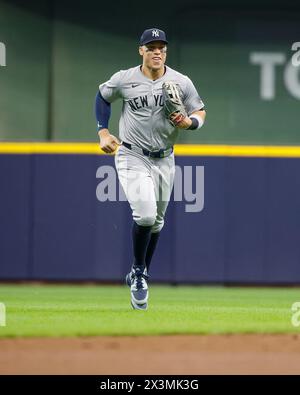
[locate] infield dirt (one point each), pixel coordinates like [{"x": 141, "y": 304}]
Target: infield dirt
[{"x": 214, "y": 354}]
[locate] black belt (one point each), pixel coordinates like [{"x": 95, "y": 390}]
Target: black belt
[{"x": 162, "y": 153}]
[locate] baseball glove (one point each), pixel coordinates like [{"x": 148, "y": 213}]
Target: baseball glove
[{"x": 173, "y": 106}]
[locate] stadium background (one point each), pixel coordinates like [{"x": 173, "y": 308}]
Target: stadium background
[{"x": 52, "y": 226}]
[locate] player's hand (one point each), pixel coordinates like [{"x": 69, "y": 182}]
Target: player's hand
[
  {"x": 184, "y": 124},
  {"x": 108, "y": 142}
]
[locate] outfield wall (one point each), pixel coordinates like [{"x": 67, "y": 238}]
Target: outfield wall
[
  {"x": 53, "y": 227},
  {"x": 239, "y": 56}
]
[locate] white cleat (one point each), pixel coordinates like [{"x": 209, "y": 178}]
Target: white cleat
[{"x": 137, "y": 280}]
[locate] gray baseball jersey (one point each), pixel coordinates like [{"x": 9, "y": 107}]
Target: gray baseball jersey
[{"x": 142, "y": 122}]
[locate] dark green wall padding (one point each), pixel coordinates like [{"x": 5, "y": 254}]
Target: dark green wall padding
[
  {"x": 55, "y": 64},
  {"x": 24, "y": 82}
]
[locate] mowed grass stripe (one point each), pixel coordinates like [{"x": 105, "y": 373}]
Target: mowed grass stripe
[{"x": 74, "y": 310}]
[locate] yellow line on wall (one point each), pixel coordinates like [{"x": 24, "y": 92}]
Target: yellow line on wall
[
  {"x": 49, "y": 148},
  {"x": 180, "y": 149},
  {"x": 238, "y": 150}
]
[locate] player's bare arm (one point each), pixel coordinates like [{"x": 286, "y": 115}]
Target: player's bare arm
[
  {"x": 187, "y": 121},
  {"x": 108, "y": 142},
  {"x": 200, "y": 113}
]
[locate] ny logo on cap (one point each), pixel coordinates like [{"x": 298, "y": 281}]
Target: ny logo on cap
[{"x": 155, "y": 33}]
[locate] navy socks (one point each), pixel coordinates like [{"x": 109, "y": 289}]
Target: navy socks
[
  {"x": 144, "y": 244},
  {"x": 140, "y": 236},
  {"x": 151, "y": 248}
]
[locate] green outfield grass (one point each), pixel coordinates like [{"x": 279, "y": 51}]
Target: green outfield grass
[{"x": 74, "y": 310}]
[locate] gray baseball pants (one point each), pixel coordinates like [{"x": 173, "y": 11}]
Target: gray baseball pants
[{"x": 147, "y": 184}]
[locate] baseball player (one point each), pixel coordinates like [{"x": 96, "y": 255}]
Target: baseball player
[{"x": 145, "y": 159}]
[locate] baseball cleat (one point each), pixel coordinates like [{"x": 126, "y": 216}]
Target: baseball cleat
[
  {"x": 137, "y": 280},
  {"x": 128, "y": 279},
  {"x": 135, "y": 306},
  {"x": 139, "y": 306}
]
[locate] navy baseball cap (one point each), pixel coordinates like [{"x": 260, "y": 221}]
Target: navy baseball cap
[{"x": 153, "y": 34}]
